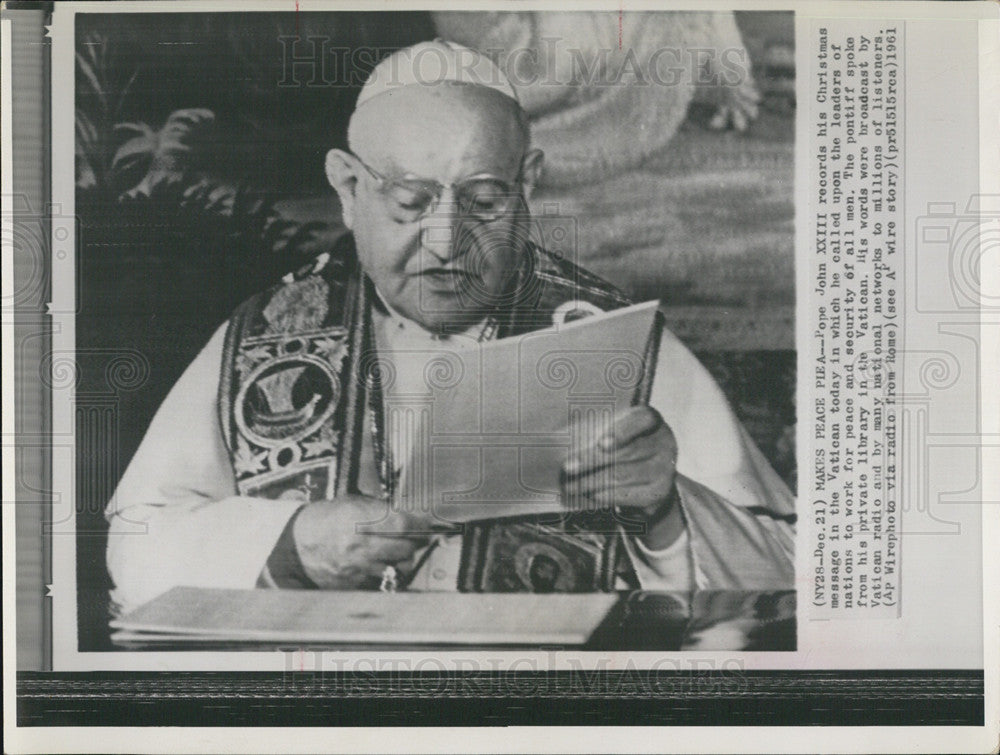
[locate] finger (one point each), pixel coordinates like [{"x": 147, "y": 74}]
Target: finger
[
  {"x": 649, "y": 464},
  {"x": 641, "y": 497},
  {"x": 618, "y": 464},
  {"x": 609, "y": 478},
  {"x": 398, "y": 527},
  {"x": 391, "y": 549},
  {"x": 630, "y": 425},
  {"x": 627, "y": 427},
  {"x": 624, "y": 489},
  {"x": 596, "y": 461},
  {"x": 394, "y": 520},
  {"x": 423, "y": 524},
  {"x": 418, "y": 513}
]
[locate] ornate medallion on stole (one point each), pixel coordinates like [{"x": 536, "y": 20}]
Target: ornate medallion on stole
[{"x": 286, "y": 357}]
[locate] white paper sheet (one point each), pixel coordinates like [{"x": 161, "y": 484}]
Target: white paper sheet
[{"x": 497, "y": 422}]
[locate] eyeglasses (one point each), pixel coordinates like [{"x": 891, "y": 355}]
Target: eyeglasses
[{"x": 484, "y": 197}]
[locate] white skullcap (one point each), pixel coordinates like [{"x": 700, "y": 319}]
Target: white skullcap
[{"x": 431, "y": 63}]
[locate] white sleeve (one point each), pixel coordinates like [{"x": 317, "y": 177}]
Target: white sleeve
[
  {"x": 713, "y": 447},
  {"x": 175, "y": 518},
  {"x": 720, "y": 475},
  {"x": 723, "y": 547},
  {"x": 667, "y": 569}
]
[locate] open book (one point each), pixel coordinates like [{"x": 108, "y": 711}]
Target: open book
[{"x": 489, "y": 433}]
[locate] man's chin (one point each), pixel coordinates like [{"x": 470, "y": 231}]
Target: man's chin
[
  {"x": 446, "y": 311},
  {"x": 450, "y": 323},
  {"x": 443, "y": 320}
]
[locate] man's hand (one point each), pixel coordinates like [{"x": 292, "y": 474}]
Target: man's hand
[
  {"x": 346, "y": 544},
  {"x": 633, "y": 467}
]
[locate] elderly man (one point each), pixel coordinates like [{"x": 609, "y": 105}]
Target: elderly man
[{"x": 272, "y": 448}]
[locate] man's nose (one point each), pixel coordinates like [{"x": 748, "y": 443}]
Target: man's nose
[{"x": 440, "y": 229}]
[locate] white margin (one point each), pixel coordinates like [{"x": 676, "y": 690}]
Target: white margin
[
  {"x": 519, "y": 739},
  {"x": 989, "y": 364},
  {"x": 7, "y": 414}
]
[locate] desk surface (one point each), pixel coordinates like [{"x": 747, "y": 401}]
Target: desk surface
[{"x": 639, "y": 620}]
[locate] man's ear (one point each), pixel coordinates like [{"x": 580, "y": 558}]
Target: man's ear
[
  {"x": 531, "y": 170},
  {"x": 342, "y": 173}
]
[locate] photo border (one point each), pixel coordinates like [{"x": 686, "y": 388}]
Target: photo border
[
  {"x": 777, "y": 698},
  {"x": 594, "y": 698}
]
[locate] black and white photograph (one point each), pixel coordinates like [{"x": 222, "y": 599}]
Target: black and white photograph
[
  {"x": 358, "y": 316},
  {"x": 500, "y": 377}
]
